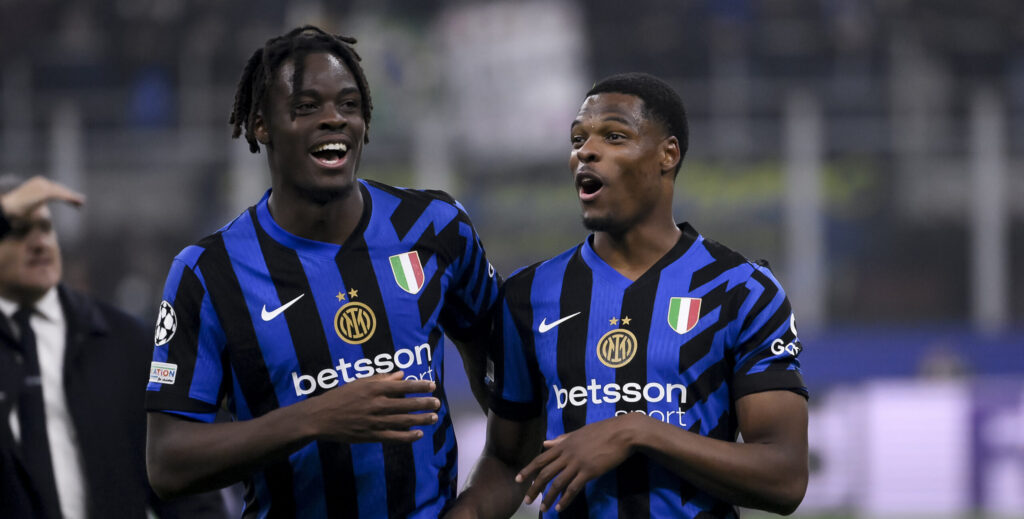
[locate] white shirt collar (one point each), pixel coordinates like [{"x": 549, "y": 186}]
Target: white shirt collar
[{"x": 47, "y": 306}]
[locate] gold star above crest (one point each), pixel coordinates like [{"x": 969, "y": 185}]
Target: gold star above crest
[
  {"x": 340, "y": 296},
  {"x": 353, "y": 293},
  {"x": 613, "y": 321},
  {"x": 625, "y": 321}
]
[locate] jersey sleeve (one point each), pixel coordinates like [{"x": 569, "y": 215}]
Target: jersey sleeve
[
  {"x": 187, "y": 372},
  {"x": 766, "y": 349},
  {"x": 473, "y": 292},
  {"x": 513, "y": 379}
]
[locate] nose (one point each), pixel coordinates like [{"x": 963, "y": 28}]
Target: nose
[
  {"x": 587, "y": 152},
  {"x": 333, "y": 118}
]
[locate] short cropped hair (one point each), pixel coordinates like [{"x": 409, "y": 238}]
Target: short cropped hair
[{"x": 661, "y": 103}]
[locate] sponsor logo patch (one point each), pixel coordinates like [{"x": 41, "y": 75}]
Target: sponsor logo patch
[
  {"x": 408, "y": 271},
  {"x": 683, "y": 313},
  {"x": 616, "y": 348},
  {"x": 355, "y": 323},
  {"x": 166, "y": 324},
  {"x": 162, "y": 372}
]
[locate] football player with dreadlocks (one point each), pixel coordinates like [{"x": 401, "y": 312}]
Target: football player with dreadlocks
[{"x": 317, "y": 316}]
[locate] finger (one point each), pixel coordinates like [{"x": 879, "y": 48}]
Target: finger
[
  {"x": 64, "y": 194},
  {"x": 547, "y": 444},
  {"x": 543, "y": 477},
  {"x": 557, "y": 486},
  {"x": 405, "y": 421},
  {"x": 574, "y": 488},
  {"x": 405, "y": 387},
  {"x": 538, "y": 462},
  {"x": 409, "y": 405},
  {"x": 394, "y": 375},
  {"x": 390, "y": 436}
]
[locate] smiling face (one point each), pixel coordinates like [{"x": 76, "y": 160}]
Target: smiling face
[
  {"x": 313, "y": 130},
  {"x": 621, "y": 163},
  {"x": 30, "y": 263}
]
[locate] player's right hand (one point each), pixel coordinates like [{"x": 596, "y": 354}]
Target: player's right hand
[{"x": 375, "y": 409}]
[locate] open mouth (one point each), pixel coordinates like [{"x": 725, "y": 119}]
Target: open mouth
[
  {"x": 329, "y": 154},
  {"x": 588, "y": 185}
]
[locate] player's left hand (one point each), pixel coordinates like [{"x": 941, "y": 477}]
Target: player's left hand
[{"x": 575, "y": 458}]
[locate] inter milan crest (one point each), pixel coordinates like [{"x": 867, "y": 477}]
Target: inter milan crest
[
  {"x": 166, "y": 324},
  {"x": 408, "y": 271},
  {"x": 616, "y": 348},
  {"x": 355, "y": 323},
  {"x": 683, "y": 313}
]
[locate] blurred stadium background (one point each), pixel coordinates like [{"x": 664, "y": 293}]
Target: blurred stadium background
[{"x": 871, "y": 150}]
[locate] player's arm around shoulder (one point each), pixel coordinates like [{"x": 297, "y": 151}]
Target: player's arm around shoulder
[
  {"x": 185, "y": 456},
  {"x": 492, "y": 490}
]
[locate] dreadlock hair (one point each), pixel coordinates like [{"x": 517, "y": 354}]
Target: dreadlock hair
[
  {"x": 296, "y": 45},
  {"x": 661, "y": 103}
]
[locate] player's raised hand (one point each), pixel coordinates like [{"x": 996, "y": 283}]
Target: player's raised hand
[
  {"x": 34, "y": 192},
  {"x": 572, "y": 459},
  {"x": 375, "y": 409}
]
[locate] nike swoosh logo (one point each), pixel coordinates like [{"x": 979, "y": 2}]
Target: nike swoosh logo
[
  {"x": 270, "y": 315},
  {"x": 545, "y": 327}
]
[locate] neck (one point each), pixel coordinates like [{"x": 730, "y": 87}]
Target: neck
[
  {"x": 330, "y": 221},
  {"x": 637, "y": 249},
  {"x": 23, "y": 296}
]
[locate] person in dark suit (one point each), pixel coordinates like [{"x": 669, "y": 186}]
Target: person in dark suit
[{"x": 72, "y": 382}]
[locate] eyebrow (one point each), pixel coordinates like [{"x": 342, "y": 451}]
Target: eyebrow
[
  {"x": 607, "y": 118},
  {"x": 314, "y": 93}
]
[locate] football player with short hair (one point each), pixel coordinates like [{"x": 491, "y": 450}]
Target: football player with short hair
[{"x": 624, "y": 369}]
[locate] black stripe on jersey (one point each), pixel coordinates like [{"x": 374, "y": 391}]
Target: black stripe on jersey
[
  {"x": 409, "y": 210},
  {"x": 454, "y": 307},
  {"x": 769, "y": 292},
  {"x": 724, "y": 259},
  {"x": 411, "y": 206},
  {"x": 430, "y": 294},
  {"x": 517, "y": 296},
  {"x": 182, "y": 348},
  {"x": 776, "y": 321},
  {"x": 313, "y": 353},
  {"x": 357, "y": 273},
  {"x": 577, "y": 288},
  {"x": 247, "y": 359}
]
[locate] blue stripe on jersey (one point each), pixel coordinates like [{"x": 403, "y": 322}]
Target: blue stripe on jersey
[
  {"x": 308, "y": 479},
  {"x": 514, "y": 363}
]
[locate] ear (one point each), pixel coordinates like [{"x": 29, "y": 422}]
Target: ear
[
  {"x": 259, "y": 129},
  {"x": 670, "y": 154}
]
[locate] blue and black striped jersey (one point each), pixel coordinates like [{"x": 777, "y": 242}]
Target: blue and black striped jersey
[
  {"x": 580, "y": 343},
  {"x": 264, "y": 319}
]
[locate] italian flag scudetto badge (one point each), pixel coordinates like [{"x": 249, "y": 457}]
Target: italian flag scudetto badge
[
  {"x": 683, "y": 313},
  {"x": 408, "y": 271}
]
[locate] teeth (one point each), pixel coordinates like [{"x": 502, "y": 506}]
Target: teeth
[{"x": 331, "y": 146}]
